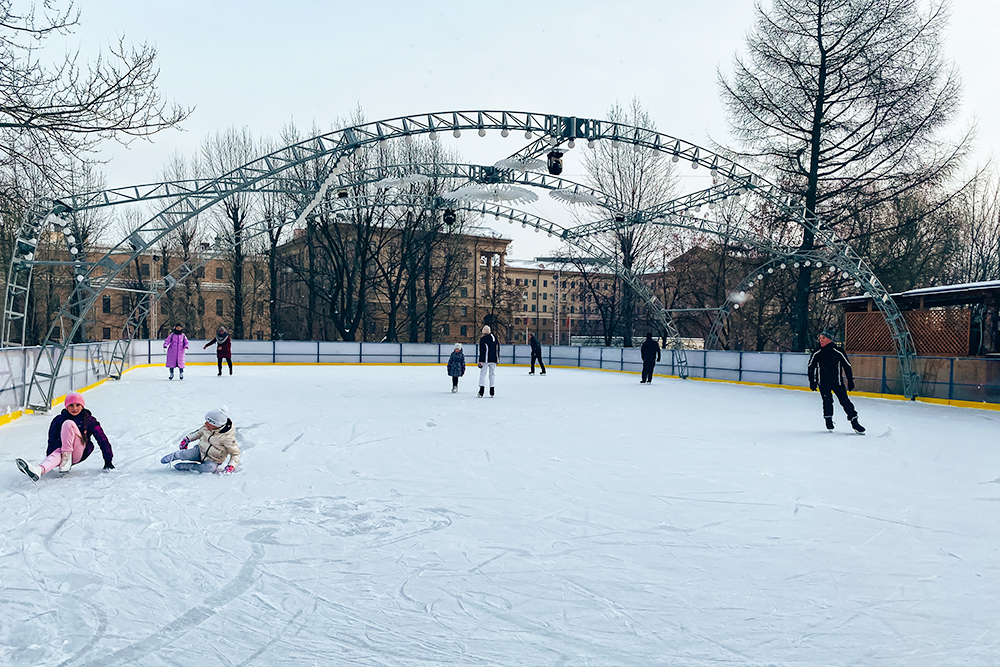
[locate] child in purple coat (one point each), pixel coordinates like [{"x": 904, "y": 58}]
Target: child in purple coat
[
  {"x": 175, "y": 344},
  {"x": 70, "y": 440}
]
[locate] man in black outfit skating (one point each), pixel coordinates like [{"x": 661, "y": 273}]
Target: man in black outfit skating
[
  {"x": 650, "y": 352},
  {"x": 828, "y": 366},
  {"x": 536, "y": 353}
]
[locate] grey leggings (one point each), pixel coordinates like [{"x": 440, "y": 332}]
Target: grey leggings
[{"x": 190, "y": 456}]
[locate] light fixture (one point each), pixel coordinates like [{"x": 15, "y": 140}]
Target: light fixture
[
  {"x": 796, "y": 265},
  {"x": 482, "y": 131},
  {"x": 590, "y": 143},
  {"x": 571, "y": 143},
  {"x": 675, "y": 158},
  {"x": 434, "y": 135},
  {"x": 505, "y": 133},
  {"x": 555, "y": 163},
  {"x": 527, "y": 133},
  {"x": 456, "y": 133}
]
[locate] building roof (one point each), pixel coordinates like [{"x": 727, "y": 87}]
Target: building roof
[{"x": 942, "y": 295}]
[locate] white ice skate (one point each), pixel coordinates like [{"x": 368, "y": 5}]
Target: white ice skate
[
  {"x": 30, "y": 469},
  {"x": 66, "y": 464}
]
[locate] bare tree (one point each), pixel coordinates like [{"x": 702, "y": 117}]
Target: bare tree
[
  {"x": 633, "y": 181},
  {"x": 844, "y": 101},
  {"x": 53, "y": 114},
  {"x": 221, "y": 154}
]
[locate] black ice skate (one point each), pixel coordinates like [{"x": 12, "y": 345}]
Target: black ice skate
[
  {"x": 829, "y": 423},
  {"x": 491, "y": 392},
  {"x": 481, "y": 390},
  {"x": 856, "y": 425}
]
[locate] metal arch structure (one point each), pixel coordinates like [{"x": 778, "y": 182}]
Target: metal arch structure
[{"x": 328, "y": 152}]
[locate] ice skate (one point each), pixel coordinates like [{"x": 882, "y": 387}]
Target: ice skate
[
  {"x": 66, "y": 464},
  {"x": 30, "y": 469},
  {"x": 829, "y": 423},
  {"x": 491, "y": 392},
  {"x": 182, "y": 373},
  {"x": 168, "y": 458},
  {"x": 856, "y": 425},
  {"x": 531, "y": 372},
  {"x": 543, "y": 372},
  {"x": 171, "y": 374},
  {"x": 454, "y": 390},
  {"x": 481, "y": 390}
]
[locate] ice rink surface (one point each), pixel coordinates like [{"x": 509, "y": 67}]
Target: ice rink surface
[{"x": 576, "y": 519}]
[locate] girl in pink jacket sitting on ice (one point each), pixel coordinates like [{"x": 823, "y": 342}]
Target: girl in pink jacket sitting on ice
[{"x": 70, "y": 440}]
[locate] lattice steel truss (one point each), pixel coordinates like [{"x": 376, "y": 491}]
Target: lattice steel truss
[{"x": 327, "y": 154}]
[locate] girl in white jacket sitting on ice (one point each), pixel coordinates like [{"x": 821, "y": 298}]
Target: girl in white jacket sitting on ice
[{"x": 216, "y": 440}]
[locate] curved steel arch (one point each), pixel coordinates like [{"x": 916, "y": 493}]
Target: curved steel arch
[{"x": 331, "y": 147}]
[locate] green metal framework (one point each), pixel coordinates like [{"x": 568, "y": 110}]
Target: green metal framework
[{"x": 327, "y": 152}]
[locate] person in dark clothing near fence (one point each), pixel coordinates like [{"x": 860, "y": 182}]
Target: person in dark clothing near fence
[
  {"x": 224, "y": 348},
  {"x": 489, "y": 355},
  {"x": 536, "y": 353},
  {"x": 650, "y": 352},
  {"x": 828, "y": 366}
]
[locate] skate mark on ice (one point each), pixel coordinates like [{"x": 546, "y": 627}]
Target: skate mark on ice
[
  {"x": 193, "y": 617},
  {"x": 488, "y": 460},
  {"x": 297, "y": 438},
  {"x": 47, "y": 541},
  {"x": 721, "y": 502},
  {"x": 878, "y": 518},
  {"x": 102, "y": 627}
]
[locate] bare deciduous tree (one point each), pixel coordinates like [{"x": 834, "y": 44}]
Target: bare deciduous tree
[{"x": 844, "y": 101}]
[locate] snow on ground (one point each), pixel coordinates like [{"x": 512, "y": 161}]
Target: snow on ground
[{"x": 577, "y": 519}]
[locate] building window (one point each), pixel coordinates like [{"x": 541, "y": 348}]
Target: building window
[
  {"x": 200, "y": 273},
  {"x": 508, "y": 281},
  {"x": 445, "y": 329},
  {"x": 564, "y": 284},
  {"x": 545, "y": 296},
  {"x": 572, "y": 309},
  {"x": 465, "y": 331},
  {"x": 125, "y": 307},
  {"x": 545, "y": 283},
  {"x": 218, "y": 273},
  {"x": 465, "y": 292},
  {"x": 107, "y": 333},
  {"x": 517, "y": 281},
  {"x": 163, "y": 309},
  {"x": 465, "y": 272},
  {"x": 533, "y": 295},
  {"x": 525, "y": 307},
  {"x": 482, "y": 279},
  {"x": 218, "y": 307},
  {"x": 144, "y": 269},
  {"x": 545, "y": 309},
  {"x": 465, "y": 311},
  {"x": 534, "y": 282},
  {"x": 106, "y": 303},
  {"x": 532, "y": 307}
]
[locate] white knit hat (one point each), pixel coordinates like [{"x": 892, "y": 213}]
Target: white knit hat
[
  {"x": 218, "y": 417},
  {"x": 458, "y": 346}
]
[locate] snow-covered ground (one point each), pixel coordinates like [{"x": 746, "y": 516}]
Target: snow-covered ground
[{"x": 577, "y": 519}]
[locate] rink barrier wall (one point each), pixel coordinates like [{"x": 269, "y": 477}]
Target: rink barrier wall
[
  {"x": 946, "y": 381},
  {"x": 83, "y": 368}
]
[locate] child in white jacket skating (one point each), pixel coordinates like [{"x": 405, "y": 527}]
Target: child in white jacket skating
[{"x": 216, "y": 441}]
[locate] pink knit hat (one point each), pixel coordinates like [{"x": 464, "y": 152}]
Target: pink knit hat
[{"x": 74, "y": 397}]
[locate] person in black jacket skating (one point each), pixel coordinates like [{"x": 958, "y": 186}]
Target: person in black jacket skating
[
  {"x": 536, "y": 353},
  {"x": 489, "y": 355},
  {"x": 650, "y": 352},
  {"x": 828, "y": 366}
]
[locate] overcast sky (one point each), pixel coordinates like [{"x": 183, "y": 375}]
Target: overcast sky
[{"x": 261, "y": 64}]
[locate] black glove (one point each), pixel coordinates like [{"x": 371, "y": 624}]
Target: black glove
[
  {"x": 850, "y": 385},
  {"x": 812, "y": 386},
  {"x": 108, "y": 465}
]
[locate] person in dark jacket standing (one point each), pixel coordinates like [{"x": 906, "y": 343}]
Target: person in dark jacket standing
[
  {"x": 650, "y": 352},
  {"x": 828, "y": 366},
  {"x": 224, "y": 349},
  {"x": 456, "y": 366},
  {"x": 489, "y": 355},
  {"x": 70, "y": 440},
  {"x": 536, "y": 353}
]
